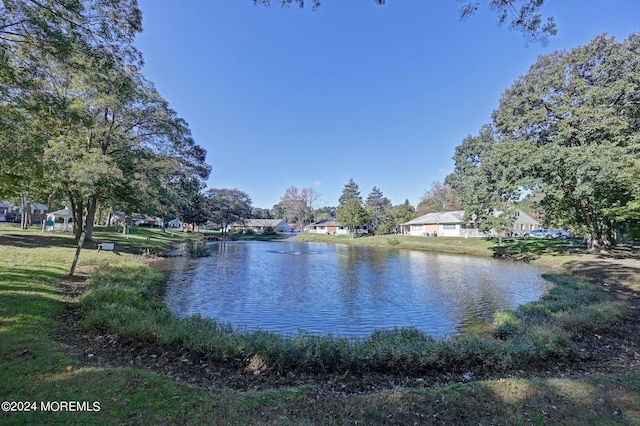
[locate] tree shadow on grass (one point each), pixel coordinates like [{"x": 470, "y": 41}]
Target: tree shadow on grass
[
  {"x": 34, "y": 241},
  {"x": 526, "y": 249}
]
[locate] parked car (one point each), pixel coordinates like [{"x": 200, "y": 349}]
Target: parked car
[
  {"x": 565, "y": 235},
  {"x": 3, "y": 218},
  {"x": 14, "y": 217},
  {"x": 543, "y": 233}
]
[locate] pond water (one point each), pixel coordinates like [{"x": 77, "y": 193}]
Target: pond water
[{"x": 289, "y": 287}]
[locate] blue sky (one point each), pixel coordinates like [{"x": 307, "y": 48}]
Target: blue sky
[{"x": 381, "y": 94}]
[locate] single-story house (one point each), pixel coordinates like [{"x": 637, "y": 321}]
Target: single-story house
[
  {"x": 144, "y": 220},
  {"x": 333, "y": 227},
  {"x": 37, "y": 210},
  {"x": 327, "y": 226},
  {"x": 175, "y": 223},
  {"x": 452, "y": 224},
  {"x": 444, "y": 224},
  {"x": 259, "y": 225}
]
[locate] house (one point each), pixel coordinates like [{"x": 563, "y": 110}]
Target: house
[
  {"x": 444, "y": 224},
  {"x": 259, "y": 225},
  {"x": 138, "y": 219},
  {"x": 452, "y": 224},
  {"x": 331, "y": 226},
  {"x": 37, "y": 210},
  {"x": 525, "y": 222},
  {"x": 175, "y": 223},
  {"x": 327, "y": 226}
]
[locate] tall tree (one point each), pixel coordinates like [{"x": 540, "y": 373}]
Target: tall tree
[
  {"x": 225, "y": 206},
  {"x": 402, "y": 213},
  {"x": 297, "y": 204},
  {"x": 485, "y": 178},
  {"x": 379, "y": 209},
  {"x": 352, "y": 215},
  {"x": 260, "y": 213},
  {"x": 568, "y": 130},
  {"x": 42, "y": 46},
  {"x": 121, "y": 145},
  {"x": 351, "y": 191},
  {"x": 579, "y": 114},
  {"x": 440, "y": 197}
]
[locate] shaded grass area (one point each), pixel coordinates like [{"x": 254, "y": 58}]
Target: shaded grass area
[{"x": 33, "y": 367}]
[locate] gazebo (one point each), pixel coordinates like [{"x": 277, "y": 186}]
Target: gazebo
[{"x": 50, "y": 224}]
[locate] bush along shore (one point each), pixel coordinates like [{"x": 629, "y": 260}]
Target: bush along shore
[{"x": 565, "y": 359}]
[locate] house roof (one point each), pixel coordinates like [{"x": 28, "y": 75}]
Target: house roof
[
  {"x": 65, "y": 213},
  {"x": 260, "y": 222},
  {"x": 327, "y": 222},
  {"x": 439, "y": 217}
]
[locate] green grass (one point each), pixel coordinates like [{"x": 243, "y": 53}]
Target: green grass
[{"x": 123, "y": 298}]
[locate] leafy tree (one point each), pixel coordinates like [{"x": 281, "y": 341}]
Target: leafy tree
[
  {"x": 351, "y": 191},
  {"x": 521, "y": 15},
  {"x": 297, "y": 204},
  {"x": 192, "y": 205},
  {"x": 352, "y": 215},
  {"x": 482, "y": 175},
  {"x": 325, "y": 213},
  {"x": 277, "y": 211},
  {"x": 439, "y": 198},
  {"x": 403, "y": 213},
  {"x": 379, "y": 209},
  {"x": 31, "y": 30},
  {"x": 566, "y": 130},
  {"x": 579, "y": 117},
  {"x": 84, "y": 35},
  {"x": 259, "y": 213},
  {"x": 225, "y": 206},
  {"x": 123, "y": 145}
]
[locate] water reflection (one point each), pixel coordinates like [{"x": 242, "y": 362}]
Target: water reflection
[{"x": 287, "y": 287}]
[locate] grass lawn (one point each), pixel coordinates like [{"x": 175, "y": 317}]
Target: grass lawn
[{"x": 43, "y": 381}]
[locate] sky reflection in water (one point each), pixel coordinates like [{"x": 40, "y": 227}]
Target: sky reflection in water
[{"x": 288, "y": 287}]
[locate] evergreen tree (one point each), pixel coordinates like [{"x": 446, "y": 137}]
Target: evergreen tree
[
  {"x": 379, "y": 208},
  {"x": 351, "y": 191}
]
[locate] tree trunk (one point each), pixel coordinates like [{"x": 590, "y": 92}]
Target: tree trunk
[
  {"x": 77, "y": 207},
  {"x": 25, "y": 217},
  {"x": 91, "y": 214}
]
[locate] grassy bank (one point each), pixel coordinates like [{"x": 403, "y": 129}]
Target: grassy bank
[{"x": 524, "y": 362}]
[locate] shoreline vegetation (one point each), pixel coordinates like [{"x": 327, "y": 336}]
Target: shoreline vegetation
[{"x": 104, "y": 335}]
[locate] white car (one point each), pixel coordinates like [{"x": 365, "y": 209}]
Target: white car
[
  {"x": 543, "y": 233},
  {"x": 565, "y": 235}
]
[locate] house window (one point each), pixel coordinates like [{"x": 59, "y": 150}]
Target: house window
[
  {"x": 416, "y": 227},
  {"x": 449, "y": 226}
]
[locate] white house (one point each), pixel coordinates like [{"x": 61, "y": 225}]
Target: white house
[
  {"x": 175, "y": 223},
  {"x": 333, "y": 227},
  {"x": 444, "y": 224},
  {"x": 452, "y": 224},
  {"x": 327, "y": 226}
]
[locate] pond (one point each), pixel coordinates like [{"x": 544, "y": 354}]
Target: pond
[{"x": 292, "y": 287}]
